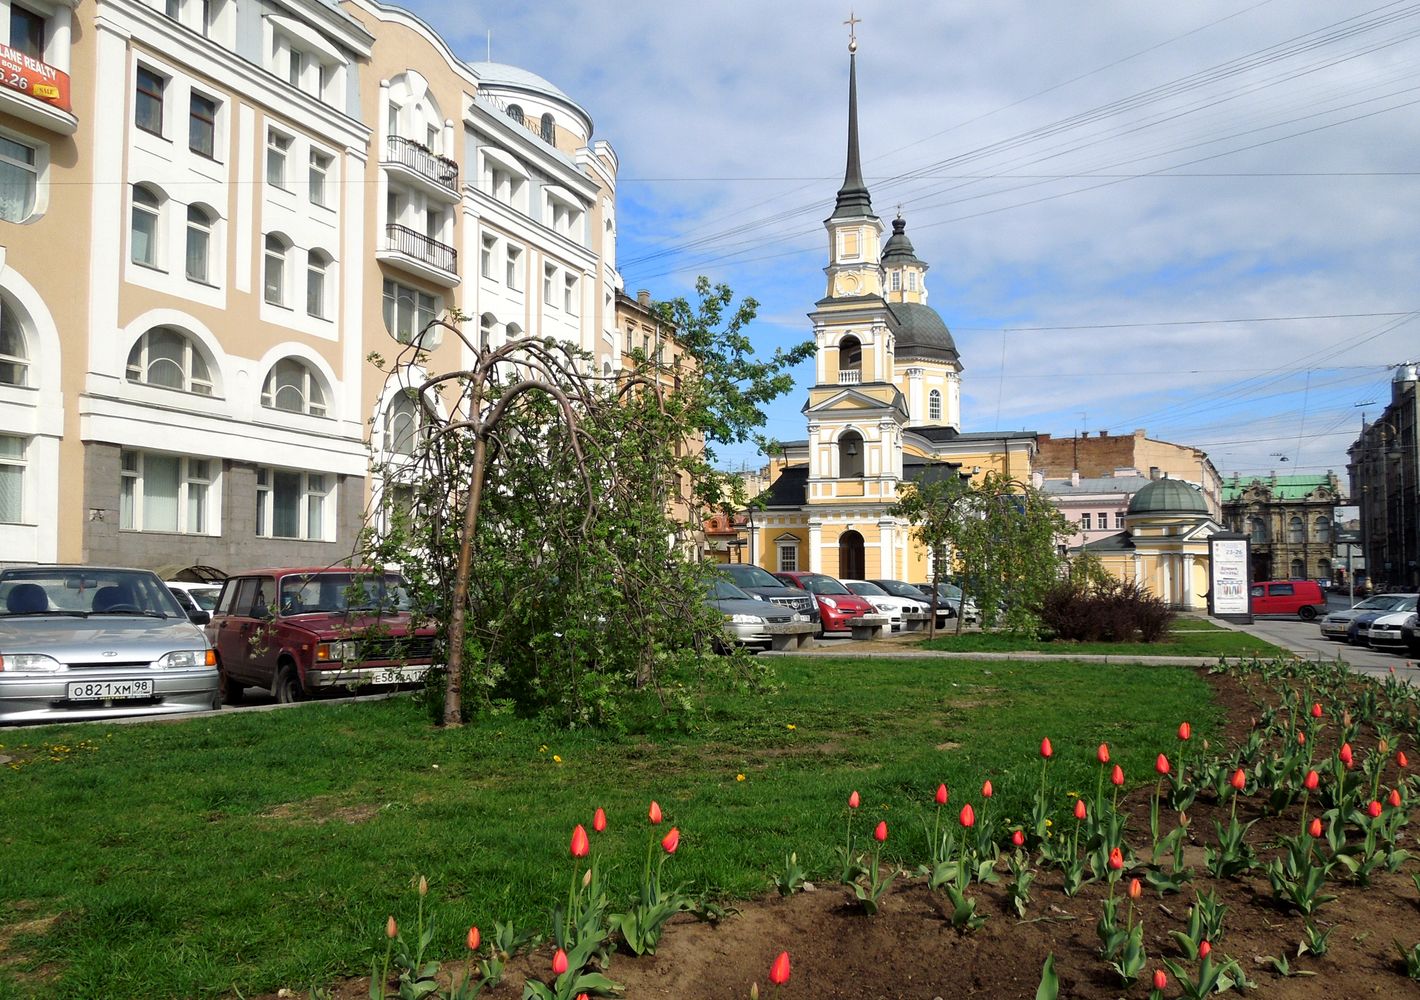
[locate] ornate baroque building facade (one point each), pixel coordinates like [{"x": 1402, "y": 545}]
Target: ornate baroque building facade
[{"x": 1289, "y": 520}]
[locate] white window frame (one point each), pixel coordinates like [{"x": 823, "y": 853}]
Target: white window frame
[
  {"x": 549, "y": 284},
  {"x": 318, "y": 177},
  {"x": 310, "y": 485},
  {"x": 571, "y": 293},
  {"x": 513, "y": 267},
  {"x": 1086, "y": 521},
  {"x": 194, "y": 96},
  {"x": 311, "y": 389},
  {"x": 9, "y": 462},
  {"x": 487, "y": 256},
  {"x": 18, "y": 324},
  {"x": 34, "y": 168},
  {"x": 788, "y": 557},
  {"x": 318, "y": 263},
  {"x": 196, "y": 495},
  {"x": 207, "y": 231},
  {"x": 154, "y": 213},
  {"x": 394, "y": 296},
  {"x": 278, "y": 156},
  {"x": 934, "y": 405},
  {"x": 275, "y": 256},
  {"x": 191, "y": 382},
  {"x": 161, "y": 97}
]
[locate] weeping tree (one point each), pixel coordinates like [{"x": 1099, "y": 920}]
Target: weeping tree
[{"x": 544, "y": 514}]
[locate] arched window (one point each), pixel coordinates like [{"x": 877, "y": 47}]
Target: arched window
[
  {"x": 850, "y": 360},
  {"x": 548, "y": 128},
  {"x": 273, "y": 279},
  {"x": 293, "y": 386},
  {"x": 170, "y": 359},
  {"x": 1296, "y": 531},
  {"x": 850, "y": 455},
  {"x": 934, "y": 405},
  {"x": 515, "y": 112},
  {"x": 1257, "y": 529},
  {"x": 402, "y": 424},
  {"x": 486, "y": 324},
  {"x": 514, "y": 331},
  {"x": 199, "y": 244},
  {"x": 1299, "y": 569},
  {"x": 850, "y": 556},
  {"x": 1323, "y": 569},
  {"x": 14, "y": 352},
  {"x": 1321, "y": 529},
  {"x": 143, "y": 238},
  {"x": 317, "y": 264}
]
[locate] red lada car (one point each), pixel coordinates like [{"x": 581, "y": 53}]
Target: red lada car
[
  {"x": 837, "y": 604},
  {"x": 293, "y": 631}
]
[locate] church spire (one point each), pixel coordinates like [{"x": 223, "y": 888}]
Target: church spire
[{"x": 853, "y": 198}]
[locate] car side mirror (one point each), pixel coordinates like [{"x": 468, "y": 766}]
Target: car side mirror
[{"x": 199, "y": 617}]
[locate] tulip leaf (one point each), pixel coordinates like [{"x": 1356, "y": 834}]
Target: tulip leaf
[{"x": 1049, "y": 987}]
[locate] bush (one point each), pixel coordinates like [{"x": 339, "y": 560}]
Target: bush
[{"x": 1105, "y": 611}]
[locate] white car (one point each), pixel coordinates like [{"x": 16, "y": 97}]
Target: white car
[
  {"x": 1385, "y": 631},
  {"x": 195, "y": 597},
  {"x": 884, "y": 603},
  {"x": 1337, "y": 624}
]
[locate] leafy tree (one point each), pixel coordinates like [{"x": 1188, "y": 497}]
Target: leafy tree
[
  {"x": 536, "y": 515},
  {"x": 1002, "y": 536}
]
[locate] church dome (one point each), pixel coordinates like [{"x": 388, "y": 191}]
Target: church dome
[
  {"x": 1168, "y": 496},
  {"x": 898, "y": 249},
  {"x": 921, "y": 333}
]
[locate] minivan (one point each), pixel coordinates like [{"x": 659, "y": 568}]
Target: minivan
[{"x": 1288, "y": 597}]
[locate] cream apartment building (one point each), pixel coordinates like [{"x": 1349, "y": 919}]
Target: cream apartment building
[{"x": 204, "y": 234}]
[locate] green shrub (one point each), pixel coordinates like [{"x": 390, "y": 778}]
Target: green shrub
[{"x": 1104, "y": 611}]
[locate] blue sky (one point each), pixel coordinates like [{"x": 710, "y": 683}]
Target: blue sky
[{"x": 1197, "y": 219}]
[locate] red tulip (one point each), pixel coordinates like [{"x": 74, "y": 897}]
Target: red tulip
[
  {"x": 671, "y": 841},
  {"x": 654, "y": 814},
  {"x": 1161, "y": 979},
  {"x": 968, "y": 816},
  {"x": 1134, "y": 888},
  {"x": 1204, "y": 949},
  {"x": 559, "y": 962},
  {"x": 1401, "y": 759},
  {"x": 1311, "y": 781},
  {"x": 1185, "y": 731},
  {"x": 1018, "y": 838},
  {"x": 1102, "y": 754},
  {"x": 1394, "y": 798},
  {"x": 1316, "y": 710},
  {"x": 880, "y": 833},
  {"x": 391, "y": 928},
  {"x": 1374, "y": 809},
  {"x": 1301, "y": 738},
  {"x": 599, "y": 819},
  {"x": 1116, "y": 777},
  {"x": 853, "y": 802},
  {"x": 1162, "y": 764},
  {"x": 1116, "y": 859},
  {"x": 986, "y": 790},
  {"x": 474, "y": 939},
  {"x": 941, "y": 795},
  {"x": 1046, "y": 750},
  {"x": 580, "y": 844},
  {"x": 1314, "y": 828},
  {"x": 1079, "y": 808},
  {"x": 1238, "y": 780},
  {"x": 1345, "y": 754},
  {"x": 779, "y": 971}
]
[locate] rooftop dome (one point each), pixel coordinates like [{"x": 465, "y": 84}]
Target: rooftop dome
[
  {"x": 501, "y": 74},
  {"x": 922, "y": 334},
  {"x": 898, "y": 249},
  {"x": 1168, "y": 496}
]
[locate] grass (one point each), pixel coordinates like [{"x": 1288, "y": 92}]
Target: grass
[
  {"x": 1186, "y": 639},
  {"x": 252, "y": 851}
]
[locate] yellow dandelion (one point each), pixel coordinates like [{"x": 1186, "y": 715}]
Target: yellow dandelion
[
  {"x": 542, "y": 749},
  {"x": 791, "y": 727},
  {"x": 1049, "y": 823},
  {"x": 556, "y": 759},
  {"x": 739, "y": 777}
]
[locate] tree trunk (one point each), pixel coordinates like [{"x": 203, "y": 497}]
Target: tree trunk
[{"x": 453, "y": 707}]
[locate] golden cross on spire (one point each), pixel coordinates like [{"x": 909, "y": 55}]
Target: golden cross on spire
[{"x": 853, "y": 23}]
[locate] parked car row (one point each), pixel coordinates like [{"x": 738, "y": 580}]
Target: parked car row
[
  {"x": 1384, "y": 621},
  {"x": 86, "y": 642}
]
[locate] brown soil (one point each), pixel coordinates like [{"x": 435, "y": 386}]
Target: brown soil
[{"x": 909, "y": 951}]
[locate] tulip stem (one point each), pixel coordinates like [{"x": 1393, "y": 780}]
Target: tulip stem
[{"x": 567, "y": 920}]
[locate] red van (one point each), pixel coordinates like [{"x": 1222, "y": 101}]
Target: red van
[{"x": 1288, "y": 597}]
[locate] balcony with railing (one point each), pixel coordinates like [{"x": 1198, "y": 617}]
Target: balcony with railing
[
  {"x": 435, "y": 174},
  {"x": 420, "y": 255},
  {"x": 850, "y": 376}
]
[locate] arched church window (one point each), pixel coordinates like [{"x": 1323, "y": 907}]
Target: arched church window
[
  {"x": 548, "y": 129},
  {"x": 1321, "y": 529},
  {"x": 934, "y": 405},
  {"x": 515, "y": 112},
  {"x": 850, "y": 354},
  {"x": 1296, "y": 532},
  {"x": 850, "y": 455}
]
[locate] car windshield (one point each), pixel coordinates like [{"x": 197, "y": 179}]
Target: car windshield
[
  {"x": 746, "y": 575},
  {"x": 817, "y": 583},
  {"x": 864, "y": 589},
  {"x": 86, "y": 592},
  {"x": 204, "y": 597},
  {"x": 724, "y": 590},
  {"x": 1381, "y": 602},
  {"x": 323, "y": 593},
  {"x": 899, "y": 589}
]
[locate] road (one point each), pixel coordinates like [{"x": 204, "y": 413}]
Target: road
[{"x": 1305, "y": 638}]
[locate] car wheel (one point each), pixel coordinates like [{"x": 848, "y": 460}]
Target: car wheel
[
  {"x": 1308, "y": 613},
  {"x": 288, "y": 687},
  {"x": 231, "y": 691}
]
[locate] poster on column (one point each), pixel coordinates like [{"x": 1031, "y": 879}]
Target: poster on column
[{"x": 1228, "y": 576}]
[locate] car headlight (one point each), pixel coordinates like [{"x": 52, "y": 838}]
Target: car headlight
[
  {"x": 335, "y": 652},
  {"x": 186, "y": 659},
  {"x": 830, "y": 602},
  {"x": 744, "y": 619},
  {"x": 29, "y": 662}
]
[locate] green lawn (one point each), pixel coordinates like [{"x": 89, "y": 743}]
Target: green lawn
[
  {"x": 252, "y": 851},
  {"x": 1189, "y": 640}
]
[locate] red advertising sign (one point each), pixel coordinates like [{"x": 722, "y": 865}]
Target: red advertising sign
[{"x": 30, "y": 76}]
